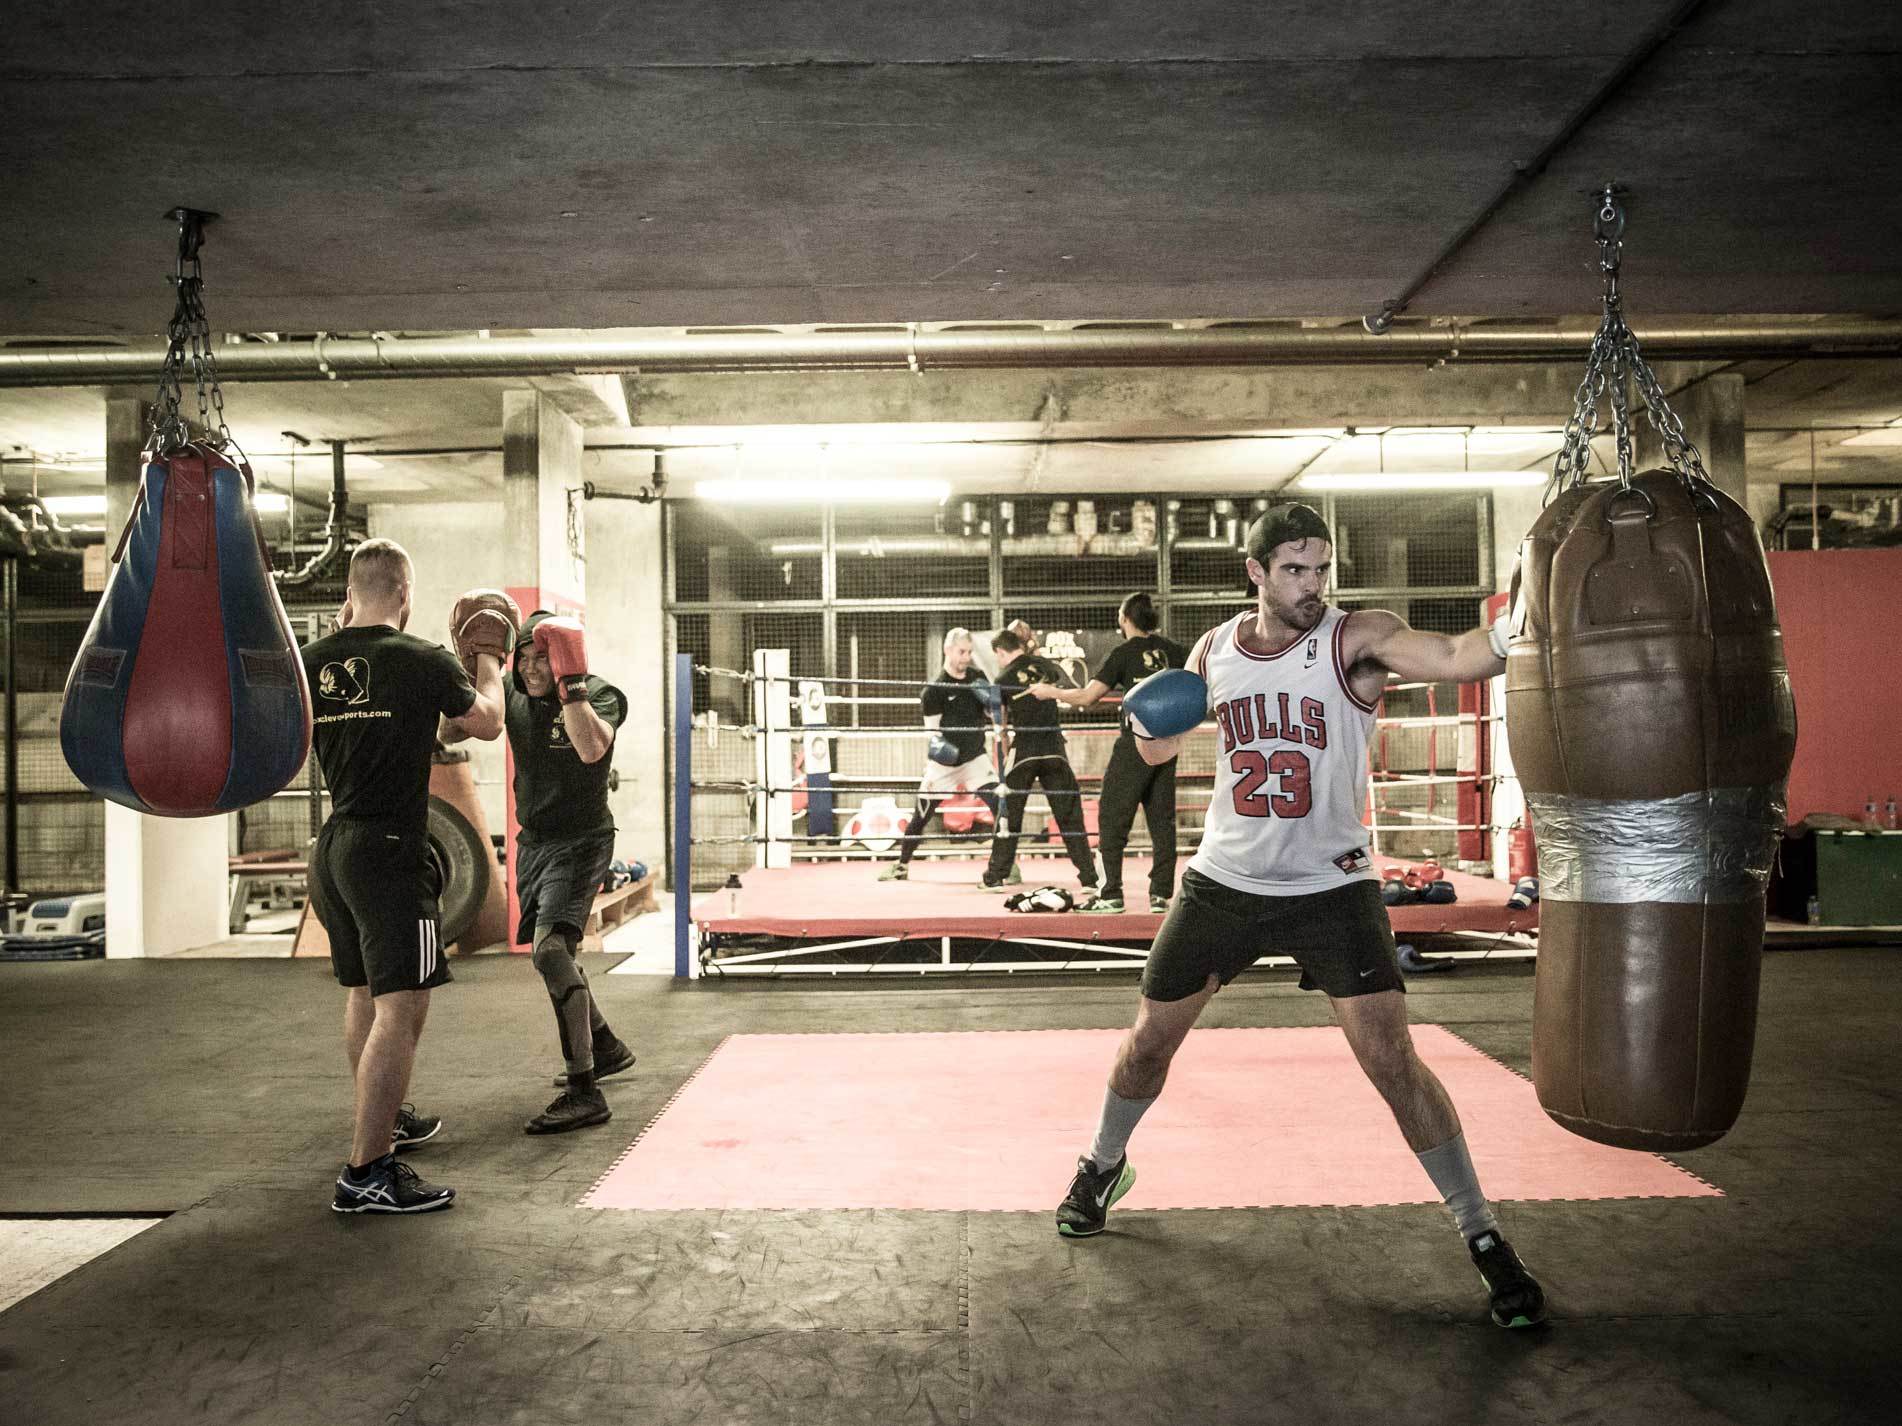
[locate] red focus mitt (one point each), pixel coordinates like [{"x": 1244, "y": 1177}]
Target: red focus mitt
[
  {"x": 484, "y": 621},
  {"x": 565, "y": 644}
]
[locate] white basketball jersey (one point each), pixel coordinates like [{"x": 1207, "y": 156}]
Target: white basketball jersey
[{"x": 1291, "y": 769}]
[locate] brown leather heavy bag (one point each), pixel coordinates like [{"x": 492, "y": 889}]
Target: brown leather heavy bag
[{"x": 1652, "y": 728}]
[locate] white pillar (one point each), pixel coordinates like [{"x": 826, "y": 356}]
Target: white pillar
[
  {"x": 165, "y": 882},
  {"x": 627, "y": 645},
  {"x": 541, "y": 466}
]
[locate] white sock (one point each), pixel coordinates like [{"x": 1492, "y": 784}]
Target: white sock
[
  {"x": 1120, "y": 1117},
  {"x": 1451, "y": 1169}
]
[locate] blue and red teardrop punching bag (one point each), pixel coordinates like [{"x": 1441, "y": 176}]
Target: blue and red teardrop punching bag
[{"x": 188, "y": 695}]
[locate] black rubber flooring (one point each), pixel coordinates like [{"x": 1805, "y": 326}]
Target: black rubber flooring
[{"x": 218, "y": 1090}]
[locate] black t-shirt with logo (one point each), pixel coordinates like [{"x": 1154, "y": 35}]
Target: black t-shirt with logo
[
  {"x": 1133, "y": 660},
  {"x": 556, "y": 793},
  {"x": 1035, "y": 730},
  {"x": 960, "y": 709},
  {"x": 375, "y": 696}
]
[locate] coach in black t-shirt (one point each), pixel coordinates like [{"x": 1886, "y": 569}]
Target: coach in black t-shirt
[
  {"x": 1037, "y": 757},
  {"x": 377, "y": 697},
  {"x": 561, "y": 724},
  {"x": 1129, "y": 782}
]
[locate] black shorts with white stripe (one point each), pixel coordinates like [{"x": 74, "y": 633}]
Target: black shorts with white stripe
[{"x": 374, "y": 887}]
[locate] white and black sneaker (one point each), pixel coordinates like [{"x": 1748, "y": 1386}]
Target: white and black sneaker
[
  {"x": 1158, "y": 905},
  {"x": 413, "y": 1128},
  {"x": 1085, "y": 1208},
  {"x": 389, "y": 1186},
  {"x": 1103, "y": 906}
]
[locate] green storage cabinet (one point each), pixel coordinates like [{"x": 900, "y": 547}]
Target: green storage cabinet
[{"x": 1859, "y": 878}]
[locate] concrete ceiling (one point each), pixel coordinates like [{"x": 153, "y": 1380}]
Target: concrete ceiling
[
  {"x": 438, "y": 167},
  {"x": 453, "y": 166}
]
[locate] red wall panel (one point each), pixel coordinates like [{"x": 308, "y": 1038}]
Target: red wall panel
[{"x": 1841, "y": 612}]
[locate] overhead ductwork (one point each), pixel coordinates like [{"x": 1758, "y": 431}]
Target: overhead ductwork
[
  {"x": 953, "y": 348},
  {"x": 334, "y": 530}
]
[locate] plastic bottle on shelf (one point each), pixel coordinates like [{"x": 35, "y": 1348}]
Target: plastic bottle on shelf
[
  {"x": 1869, "y": 812},
  {"x": 1815, "y": 911},
  {"x": 1888, "y": 815}
]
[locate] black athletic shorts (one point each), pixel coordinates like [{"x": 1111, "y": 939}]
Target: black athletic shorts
[
  {"x": 556, "y": 880},
  {"x": 1340, "y": 937},
  {"x": 375, "y": 887}
]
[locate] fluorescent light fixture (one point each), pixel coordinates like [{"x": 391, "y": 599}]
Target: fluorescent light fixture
[
  {"x": 1423, "y": 480},
  {"x": 1887, "y": 436},
  {"x": 270, "y": 502},
  {"x": 833, "y": 492},
  {"x": 75, "y": 504}
]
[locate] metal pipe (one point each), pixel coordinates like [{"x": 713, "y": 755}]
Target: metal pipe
[
  {"x": 334, "y": 528},
  {"x": 951, "y": 348}
]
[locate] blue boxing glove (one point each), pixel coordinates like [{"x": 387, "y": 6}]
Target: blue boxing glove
[
  {"x": 944, "y": 752},
  {"x": 992, "y": 697},
  {"x": 1166, "y": 704}
]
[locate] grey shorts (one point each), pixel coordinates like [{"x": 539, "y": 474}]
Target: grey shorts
[
  {"x": 556, "y": 880},
  {"x": 1341, "y": 938}
]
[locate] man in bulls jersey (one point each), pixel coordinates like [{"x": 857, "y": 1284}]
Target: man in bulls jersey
[{"x": 1283, "y": 867}]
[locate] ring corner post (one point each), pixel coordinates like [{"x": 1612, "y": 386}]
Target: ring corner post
[{"x": 683, "y": 816}]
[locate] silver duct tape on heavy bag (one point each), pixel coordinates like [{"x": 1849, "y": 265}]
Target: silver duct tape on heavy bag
[{"x": 1715, "y": 846}]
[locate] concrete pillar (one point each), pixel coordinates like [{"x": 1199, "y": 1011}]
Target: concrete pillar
[
  {"x": 544, "y": 553},
  {"x": 627, "y": 645},
  {"x": 1712, "y": 410},
  {"x": 126, "y": 415},
  {"x": 165, "y": 876},
  {"x": 165, "y": 882},
  {"x": 541, "y": 463}
]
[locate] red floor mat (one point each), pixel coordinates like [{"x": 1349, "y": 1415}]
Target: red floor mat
[{"x": 1251, "y": 1118}]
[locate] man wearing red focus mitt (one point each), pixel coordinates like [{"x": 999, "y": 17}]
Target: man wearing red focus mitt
[{"x": 561, "y": 721}]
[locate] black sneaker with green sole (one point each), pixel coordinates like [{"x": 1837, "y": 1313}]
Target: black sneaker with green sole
[
  {"x": 1085, "y": 1208},
  {"x": 1517, "y": 1298}
]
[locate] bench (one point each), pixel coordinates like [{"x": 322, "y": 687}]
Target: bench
[
  {"x": 257, "y": 866},
  {"x": 611, "y": 908}
]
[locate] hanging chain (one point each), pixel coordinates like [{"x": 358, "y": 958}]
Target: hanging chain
[
  {"x": 1614, "y": 363},
  {"x": 189, "y": 340}
]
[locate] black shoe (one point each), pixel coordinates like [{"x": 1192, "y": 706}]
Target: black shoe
[
  {"x": 1085, "y": 1209},
  {"x": 609, "y": 1061},
  {"x": 1013, "y": 877},
  {"x": 572, "y": 1109},
  {"x": 413, "y": 1128},
  {"x": 1158, "y": 905},
  {"x": 1103, "y": 906},
  {"x": 389, "y": 1187},
  {"x": 1517, "y": 1298}
]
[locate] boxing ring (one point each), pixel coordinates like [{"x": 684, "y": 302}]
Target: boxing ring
[{"x": 784, "y": 819}]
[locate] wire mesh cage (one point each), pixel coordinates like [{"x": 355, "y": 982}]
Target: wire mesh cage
[
  {"x": 721, "y": 553},
  {"x": 905, "y": 552}
]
